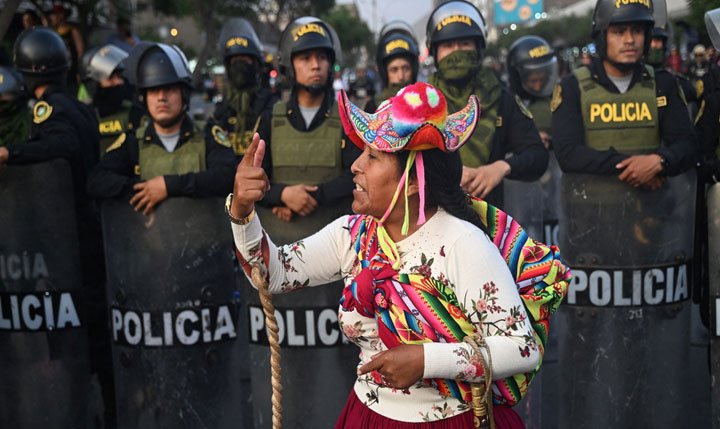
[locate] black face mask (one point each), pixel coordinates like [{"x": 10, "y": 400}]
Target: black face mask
[
  {"x": 109, "y": 100},
  {"x": 243, "y": 75}
]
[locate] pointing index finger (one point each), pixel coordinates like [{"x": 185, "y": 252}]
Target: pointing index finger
[
  {"x": 248, "y": 160},
  {"x": 259, "y": 153}
]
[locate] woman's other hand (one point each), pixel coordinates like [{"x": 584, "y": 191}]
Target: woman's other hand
[{"x": 400, "y": 367}]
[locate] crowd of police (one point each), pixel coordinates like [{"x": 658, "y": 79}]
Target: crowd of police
[{"x": 116, "y": 248}]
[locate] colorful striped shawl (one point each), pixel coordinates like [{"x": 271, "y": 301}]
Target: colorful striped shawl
[{"x": 413, "y": 309}]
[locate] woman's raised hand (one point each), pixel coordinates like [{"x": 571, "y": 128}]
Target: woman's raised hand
[{"x": 251, "y": 182}]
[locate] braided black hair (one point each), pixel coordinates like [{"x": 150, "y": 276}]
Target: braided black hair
[{"x": 443, "y": 172}]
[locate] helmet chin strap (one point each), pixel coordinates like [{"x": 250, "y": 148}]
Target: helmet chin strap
[
  {"x": 623, "y": 67},
  {"x": 312, "y": 89}
]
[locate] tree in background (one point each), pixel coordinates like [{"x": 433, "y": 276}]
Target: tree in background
[{"x": 354, "y": 33}]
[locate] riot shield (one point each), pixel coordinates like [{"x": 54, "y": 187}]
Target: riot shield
[
  {"x": 625, "y": 351},
  {"x": 523, "y": 201},
  {"x": 174, "y": 311},
  {"x": 713, "y": 203},
  {"x": 318, "y": 364},
  {"x": 45, "y": 367}
]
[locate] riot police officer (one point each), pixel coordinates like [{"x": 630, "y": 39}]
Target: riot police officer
[
  {"x": 62, "y": 127},
  {"x": 658, "y": 52},
  {"x": 456, "y": 39},
  {"x": 396, "y": 57},
  {"x": 610, "y": 117},
  {"x": 101, "y": 71},
  {"x": 533, "y": 73},
  {"x": 707, "y": 126},
  {"x": 14, "y": 112},
  {"x": 166, "y": 155},
  {"x": 245, "y": 96},
  {"x": 308, "y": 156},
  {"x": 623, "y": 138},
  {"x": 60, "y": 124},
  {"x": 308, "y": 161}
]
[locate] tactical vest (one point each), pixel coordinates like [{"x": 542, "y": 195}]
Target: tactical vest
[
  {"x": 308, "y": 157},
  {"x": 111, "y": 126},
  {"x": 542, "y": 116},
  {"x": 155, "y": 160},
  {"x": 628, "y": 122}
]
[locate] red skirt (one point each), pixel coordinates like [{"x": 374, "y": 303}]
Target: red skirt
[{"x": 357, "y": 415}]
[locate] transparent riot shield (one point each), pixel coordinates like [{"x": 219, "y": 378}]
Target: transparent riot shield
[
  {"x": 624, "y": 353},
  {"x": 174, "y": 316},
  {"x": 713, "y": 203},
  {"x": 45, "y": 372},
  {"x": 318, "y": 364},
  {"x": 524, "y": 202}
]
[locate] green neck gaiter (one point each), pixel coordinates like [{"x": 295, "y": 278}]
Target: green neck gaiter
[
  {"x": 459, "y": 66},
  {"x": 391, "y": 90},
  {"x": 14, "y": 124},
  {"x": 240, "y": 100},
  {"x": 656, "y": 57},
  {"x": 486, "y": 86}
]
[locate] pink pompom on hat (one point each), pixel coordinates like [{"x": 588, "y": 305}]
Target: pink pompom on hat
[{"x": 415, "y": 119}]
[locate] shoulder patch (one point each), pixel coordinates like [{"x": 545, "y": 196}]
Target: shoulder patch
[
  {"x": 117, "y": 143},
  {"x": 220, "y": 136},
  {"x": 41, "y": 112},
  {"x": 523, "y": 107},
  {"x": 699, "y": 87},
  {"x": 556, "y": 98}
]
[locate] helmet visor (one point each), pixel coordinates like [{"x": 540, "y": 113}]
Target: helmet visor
[{"x": 539, "y": 79}]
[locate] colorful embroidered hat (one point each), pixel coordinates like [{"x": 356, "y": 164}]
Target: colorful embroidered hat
[{"x": 416, "y": 118}]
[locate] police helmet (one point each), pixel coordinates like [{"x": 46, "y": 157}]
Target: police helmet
[
  {"x": 396, "y": 40},
  {"x": 659, "y": 33},
  {"x": 531, "y": 57},
  {"x": 455, "y": 20},
  {"x": 100, "y": 63},
  {"x": 238, "y": 37},
  {"x": 712, "y": 24},
  {"x": 40, "y": 52},
  {"x": 608, "y": 12},
  {"x": 162, "y": 65},
  {"x": 11, "y": 84},
  {"x": 304, "y": 34}
]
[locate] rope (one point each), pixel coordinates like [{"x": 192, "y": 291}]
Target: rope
[
  {"x": 259, "y": 279},
  {"x": 482, "y": 391}
]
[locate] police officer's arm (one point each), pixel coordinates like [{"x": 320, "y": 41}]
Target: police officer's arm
[
  {"x": 333, "y": 191},
  {"x": 530, "y": 158},
  {"x": 569, "y": 137},
  {"x": 54, "y": 137},
  {"x": 114, "y": 175},
  {"x": 676, "y": 130},
  {"x": 215, "y": 181}
]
